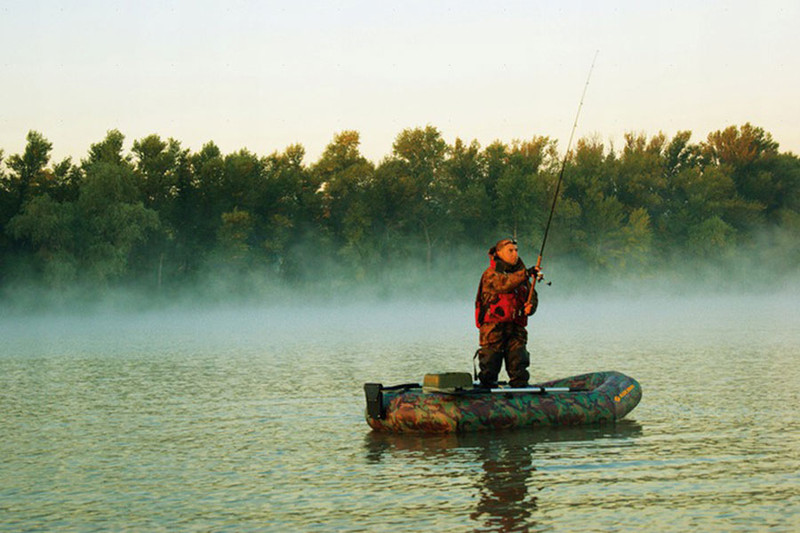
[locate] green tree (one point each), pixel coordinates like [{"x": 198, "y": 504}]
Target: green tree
[
  {"x": 471, "y": 208},
  {"x": 205, "y": 203},
  {"x": 495, "y": 158},
  {"x": 345, "y": 178},
  {"x": 112, "y": 220},
  {"x": 421, "y": 153},
  {"x": 710, "y": 238},
  {"x": 165, "y": 184},
  {"x": 786, "y": 172},
  {"x": 234, "y": 238},
  {"x": 28, "y": 178},
  {"x": 290, "y": 212},
  {"x": 109, "y": 150},
  {"x": 748, "y": 155},
  {"x": 92, "y": 237},
  {"x": 680, "y": 155},
  {"x": 28, "y": 170},
  {"x": 389, "y": 198},
  {"x": 637, "y": 241},
  {"x": 50, "y": 228},
  {"x": 598, "y": 228},
  {"x": 640, "y": 174},
  {"x": 7, "y": 211},
  {"x": 157, "y": 165},
  {"x": 243, "y": 181},
  {"x": 67, "y": 179},
  {"x": 117, "y": 217},
  {"x": 588, "y": 217},
  {"x": 526, "y": 186}
]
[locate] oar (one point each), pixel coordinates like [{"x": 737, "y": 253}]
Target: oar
[
  {"x": 531, "y": 390},
  {"x": 535, "y": 390}
]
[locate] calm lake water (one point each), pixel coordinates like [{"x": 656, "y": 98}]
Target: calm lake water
[{"x": 252, "y": 419}]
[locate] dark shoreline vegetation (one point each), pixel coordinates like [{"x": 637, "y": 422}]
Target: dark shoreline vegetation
[{"x": 164, "y": 223}]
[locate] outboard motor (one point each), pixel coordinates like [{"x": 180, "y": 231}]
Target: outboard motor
[{"x": 374, "y": 394}]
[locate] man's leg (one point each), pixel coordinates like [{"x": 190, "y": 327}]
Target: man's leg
[
  {"x": 518, "y": 359},
  {"x": 491, "y": 354},
  {"x": 490, "y": 362}
]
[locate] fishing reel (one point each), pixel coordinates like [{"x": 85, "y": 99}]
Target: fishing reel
[{"x": 539, "y": 277}]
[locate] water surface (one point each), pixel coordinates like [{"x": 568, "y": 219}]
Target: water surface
[{"x": 252, "y": 419}]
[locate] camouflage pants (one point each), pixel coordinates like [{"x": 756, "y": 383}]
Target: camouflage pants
[{"x": 503, "y": 342}]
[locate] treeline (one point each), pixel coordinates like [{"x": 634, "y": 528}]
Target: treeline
[{"x": 164, "y": 216}]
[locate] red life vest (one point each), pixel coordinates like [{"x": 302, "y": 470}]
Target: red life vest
[{"x": 504, "y": 307}]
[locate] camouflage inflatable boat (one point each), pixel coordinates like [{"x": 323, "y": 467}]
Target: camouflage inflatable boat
[{"x": 446, "y": 403}]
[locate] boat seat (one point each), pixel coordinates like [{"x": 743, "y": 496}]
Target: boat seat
[{"x": 447, "y": 382}]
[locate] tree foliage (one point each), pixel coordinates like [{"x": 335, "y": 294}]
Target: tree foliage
[{"x": 162, "y": 214}]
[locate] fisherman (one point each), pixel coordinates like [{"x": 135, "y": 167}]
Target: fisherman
[{"x": 501, "y": 313}]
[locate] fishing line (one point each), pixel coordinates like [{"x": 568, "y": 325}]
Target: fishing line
[{"x": 561, "y": 177}]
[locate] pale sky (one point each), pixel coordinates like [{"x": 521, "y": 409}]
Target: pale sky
[{"x": 263, "y": 75}]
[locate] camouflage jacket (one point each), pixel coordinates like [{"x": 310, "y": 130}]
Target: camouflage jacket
[{"x": 503, "y": 289}]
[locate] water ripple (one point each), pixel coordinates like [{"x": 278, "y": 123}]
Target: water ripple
[{"x": 251, "y": 422}]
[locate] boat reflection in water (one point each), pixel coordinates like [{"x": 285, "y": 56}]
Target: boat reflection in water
[{"x": 510, "y": 471}]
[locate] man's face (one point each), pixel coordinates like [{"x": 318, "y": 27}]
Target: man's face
[{"x": 509, "y": 253}]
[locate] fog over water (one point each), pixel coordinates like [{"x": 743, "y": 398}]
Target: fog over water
[
  {"x": 620, "y": 311},
  {"x": 250, "y": 416}
]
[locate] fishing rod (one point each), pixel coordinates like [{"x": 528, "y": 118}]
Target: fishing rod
[{"x": 539, "y": 277}]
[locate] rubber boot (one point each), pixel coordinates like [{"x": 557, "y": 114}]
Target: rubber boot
[
  {"x": 490, "y": 363},
  {"x": 517, "y": 362}
]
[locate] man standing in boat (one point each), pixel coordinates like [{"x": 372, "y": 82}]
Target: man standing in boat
[{"x": 501, "y": 313}]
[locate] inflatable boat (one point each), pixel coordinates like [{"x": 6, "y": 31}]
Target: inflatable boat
[{"x": 450, "y": 402}]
